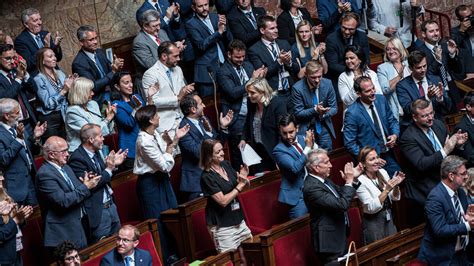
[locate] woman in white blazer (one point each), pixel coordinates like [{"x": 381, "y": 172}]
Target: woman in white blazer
[{"x": 376, "y": 192}]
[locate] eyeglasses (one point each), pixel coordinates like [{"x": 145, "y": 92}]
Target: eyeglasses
[
  {"x": 71, "y": 258},
  {"x": 124, "y": 240},
  {"x": 61, "y": 151},
  {"x": 8, "y": 58}
]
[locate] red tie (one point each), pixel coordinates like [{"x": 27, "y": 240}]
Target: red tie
[
  {"x": 158, "y": 40},
  {"x": 298, "y": 147},
  {"x": 420, "y": 89}
]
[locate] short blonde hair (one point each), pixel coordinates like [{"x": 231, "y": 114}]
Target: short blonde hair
[
  {"x": 261, "y": 86},
  {"x": 397, "y": 43},
  {"x": 80, "y": 91}
]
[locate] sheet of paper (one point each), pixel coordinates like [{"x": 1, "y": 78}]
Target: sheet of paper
[{"x": 249, "y": 156}]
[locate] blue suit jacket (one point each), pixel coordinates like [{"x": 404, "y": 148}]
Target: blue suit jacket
[
  {"x": 61, "y": 206},
  {"x": 27, "y": 47},
  {"x": 259, "y": 56},
  {"x": 85, "y": 67},
  {"x": 407, "y": 92},
  {"x": 232, "y": 92},
  {"x": 80, "y": 162},
  {"x": 328, "y": 14},
  {"x": 359, "y": 130},
  {"x": 442, "y": 228},
  {"x": 15, "y": 167},
  {"x": 127, "y": 126},
  {"x": 302, "y": 105},
  {"x": 190, "y": 146},
  {"x": 242, "y": 28},
  {"x": 291, "y": 164},
  {"x": 205, "y": 46},
  {"x": 15, "y": 90},
  {"x": 113, "y": 258},
  {"x": 8, "y": 233}
]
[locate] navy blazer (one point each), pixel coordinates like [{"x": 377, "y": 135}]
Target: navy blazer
[
  {"x": 291, "y": 164},
  {"x": 335, "y": 47},
  {"x": 85, "y": 67},
  {"x": 453, "y": 65},
  {"x": 259, "y": 56},
  {"x": 8, "y": 233},
  {"x": 232, "y": 92},
  {"x": 442, "y": 228},
  {"x": 302, "y": 105},
  {"x": 328, "y": 14},
  {"x": 113, "y": 258},
  {"x": 80, "y": 162},
  {"x": 286, "y": 26},
  {"x": 61, "y": 206},
  {"x": 205, "y": 46},
  {"x": 424, "y": 163},
  {"x": 271, "y": 115},
  {"x": 190, "y": 146},
  {"x": 27, "y": 47},
  {"x": 407, "y": 92},
  {"x": 242, "y": 28},
  {"x": 464, "y": 43},
  {"x": 359, "y": 129},
  {"x": 468, "y": 152},
  {"x": 15, "y": 90},
  {"x": 328, "y": 229},
  {"x": 223, "y": 6},
  {"x": 15, "y": 167}
]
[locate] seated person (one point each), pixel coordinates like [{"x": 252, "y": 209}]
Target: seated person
[
  {"x": 305, "y": 48},
  {"x": 67, "y": 254},
  {"x": 466, "y": 125},
  {"x": 331, "y": 11}
]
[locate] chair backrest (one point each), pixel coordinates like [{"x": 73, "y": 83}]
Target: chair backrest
[
  {"x": 203, "y": 241},
  {"x": 147, "y": 243},
  {"x": 338, "y": 159},
  {"x": 356, "y": 233},
  {"x": 125, "y": 197},
  {"x": 32, "y": 252}
]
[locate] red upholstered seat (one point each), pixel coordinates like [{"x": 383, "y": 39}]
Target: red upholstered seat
[
  {"x": 356, "y": 227},
  {"x": 112, "y": 141},
  {"x": 338, "y": 165},
  {"x": 261, "y": 207},
  {"x": 203, "y": 241},
  {"x": 39, "y": 161},
  {"x": 175, "y": 179},
  {"x": 295, "y": 248},
  {"x": 146, "y": 243},
  {"x": 126, "y": 200},
  {"x": 415, "y": 262},
  {"x": 32, "y": 252}
]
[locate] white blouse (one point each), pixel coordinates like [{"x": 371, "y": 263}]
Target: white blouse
[
  {"x": 345, "y": 86},
  {"x": 151, "y": 155},
  {"x": 369, "y": 194}
]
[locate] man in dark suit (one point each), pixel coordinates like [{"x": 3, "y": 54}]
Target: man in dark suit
[
  {"x": 313, "y": 101},
  {"x": 16, "y": 160},
  {"x": 290, "y": 156},
  {"x": 209, "y": 35},
  {"x": 275, "y": 55},
  {"x": 443, "y": 59},
  {"x": 33, "y": 37},
  {"x": 231, "y": 79},
  {"x": 467, "y": 125},
  {"x": 100, "y": 207},
  {"x": 449, "y": 222},
  {"x": 92, "y": 63},
  {"x": 328, "y": 204},
  {"x": 13, "y": 84},
  {"x": 190, "y": 145},
  {"x": 424, "y": 144},
  {"x": 331, "y": 11},
  {"x": 243, "y": 21},
  {"x": 420, "y": 85},
  {"x": 370, "y": 122},
  {"x": 223, "y": 6},
  {"x": 338, "y": 41},
  {"x": 462, "y": 35},
  {"x": 126, "y": 250},
  {"x": 61, "y": 195}
]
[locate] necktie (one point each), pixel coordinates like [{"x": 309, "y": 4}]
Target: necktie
[
  {"x": 240, "y": 73},
  {"x": 442, "y": 70},
  {"x": 220, "y": 54},
  {"x": 13, "y": 131},
  {"x": 158, "y": 41},
  {"x": 98, "y": 168},
  {"x": 252, "y": 19},
  {"x": 457, "y": 207},
  {"x": 99, "y": 66},
  {"x": 39, "y": 42},
  {"x": 67, "y": 179},
  {"x": 273, "y": 50},
  {"x": 436, "y": 147},
  {"x": 295, "y": 144},
  {"x": 24, "y": 111},
  {"x": 158, "y": 7},
  {"x": 168, "y": 74},
  {"x": 318, "y": 126},
  {"x": 11, "y": 77},
  {"x": 420, "y": 89},
  {"x": 127, "y": 261},
  {"x": 376, "y": 122}
]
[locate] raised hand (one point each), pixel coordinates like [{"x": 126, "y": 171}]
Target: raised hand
[
  {"x": 225, "y": 120},
  {"x": 241, "y": 145},
  {"x": 40, "y": 129},
  {"x": 185, "y": 91},
  {"x": 20, "y": 128},
  {"x": 5, "y": 207},
  {"x": 110, "y": 160},
  {"x": 317, "y": 29},
  {"x": 110, "y": 111},
  {"x": 138, "y": 104},
  {"x": 120, "y": 156},
  {"x": 47, "y": 40},
  {"x": 90, "y": 180},
  {"x": 309, "y": 138},
  {"x": 57, "y": 39},
  {"x": 180, "y": 132},
  {"x": 117, "y": 64},
  {"x": 244, "y": 170},
  {"x": 26, "y": 211},
  {"x": 452, "y": 47},
  {"x": 166, "y": 137}
]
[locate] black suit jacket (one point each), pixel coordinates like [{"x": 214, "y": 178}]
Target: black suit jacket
[
  {"x": 271, "y": 115},
  {"x": 286, "y": 27},
  {"x": 336, "y": 45},
  {"x": 232, "y": 91},
  {"x": 453, "y": 65},
  {"x": 328, "y": 228},
  {"x": 424, "y": 163},
  {"x": 85, "y": 67},
  {"x": 259, "y": 55},
  {"x": 80, "y": 162},
  {"x": 27, "y": 47},
  {"x": 242, "y": 28},
  {"x": 468, "y": 152},
  {"x": 464, "y": 43},
  {"x": 14, "y": 91}
]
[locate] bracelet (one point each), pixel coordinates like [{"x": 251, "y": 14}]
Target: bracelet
[{"x": 238, "y": 190}]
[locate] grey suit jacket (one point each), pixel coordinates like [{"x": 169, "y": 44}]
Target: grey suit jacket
[{"x": 145, "y": 51}]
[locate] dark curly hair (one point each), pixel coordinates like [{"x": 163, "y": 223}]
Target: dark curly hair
[{"x": 62, "y": 250}]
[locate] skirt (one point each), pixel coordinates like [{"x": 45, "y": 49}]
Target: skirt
[{"x": 230, "y": 237}]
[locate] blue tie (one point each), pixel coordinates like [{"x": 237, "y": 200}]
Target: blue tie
[
  {"x": 39, "y": 42},
  {"x": 433, "y": 141},
  {"x": 67, "y": 179},
  {"x": 158, "y": 7},
  {"x": 457, "y": 207},
  {"x": 99, "y": 66},
  {"x": 13, "y": 131},
  {"x": 318, "y": 126},
  {"x": 252, "y": 19},
  {"x": 127, "y": 261},
  {"x": 168, "y": 73}
]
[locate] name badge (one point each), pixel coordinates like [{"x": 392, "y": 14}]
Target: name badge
[
  {"x": 388, "y": 217},
  {"x": 235, "y": 205},
  {"x": 285, "y": 74}
]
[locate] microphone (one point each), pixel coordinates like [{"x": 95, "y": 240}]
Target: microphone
[{"x": 210, "y": 71}]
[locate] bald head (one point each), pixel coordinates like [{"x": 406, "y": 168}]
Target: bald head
[{"x": 55, "y": 150}]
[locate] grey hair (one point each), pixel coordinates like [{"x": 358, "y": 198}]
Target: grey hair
[
  {"x": 313, "y": 158},
  {"x": 83, "y": 30},
  {"x": 25, "y": 14},
  {"x": 149, "y": 16},
  {"x": 7, "y": 105},
  {"x": 451, "y": 164},
  {"x": 87, "y": 132}
]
